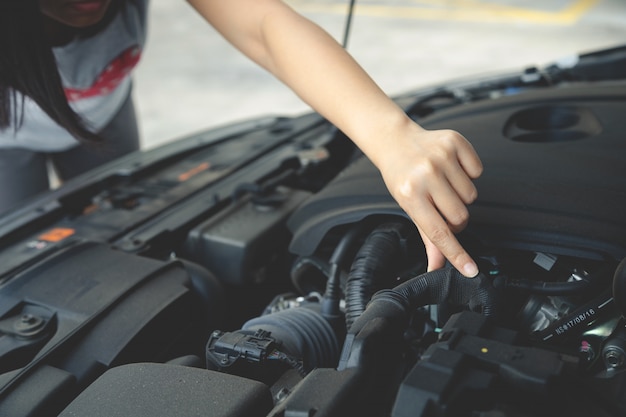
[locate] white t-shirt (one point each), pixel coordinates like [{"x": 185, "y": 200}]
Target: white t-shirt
[{"x": 96, "y": 76}]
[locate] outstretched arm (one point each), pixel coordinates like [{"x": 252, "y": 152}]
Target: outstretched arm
[{"x": 429, "y": 173}]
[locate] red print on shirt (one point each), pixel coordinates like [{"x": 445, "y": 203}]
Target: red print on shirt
[{"x": 110, "y": 78}]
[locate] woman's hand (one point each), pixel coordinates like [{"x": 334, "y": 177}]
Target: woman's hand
[{"x": 430, "y": 173}]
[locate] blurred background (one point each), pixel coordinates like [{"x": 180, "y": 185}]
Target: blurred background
[{"x": 190, "y": 79}]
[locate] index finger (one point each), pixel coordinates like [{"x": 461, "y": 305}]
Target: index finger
[{"x": 438, "y": 232}]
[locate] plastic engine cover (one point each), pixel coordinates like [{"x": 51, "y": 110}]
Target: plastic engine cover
[{"x": 65, "y": 322}]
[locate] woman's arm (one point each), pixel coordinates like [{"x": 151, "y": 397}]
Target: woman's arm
[{"x": 429, "y": 173}]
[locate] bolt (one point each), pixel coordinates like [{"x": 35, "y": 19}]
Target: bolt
[
  {"x": 614, "y": 358},
  {"x": 28, "y": 325}
]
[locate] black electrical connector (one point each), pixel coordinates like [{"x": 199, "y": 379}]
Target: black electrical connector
[{"x": 224, "y": 349}]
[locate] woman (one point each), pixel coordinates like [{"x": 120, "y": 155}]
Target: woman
[{"x": 65, "y": 95}]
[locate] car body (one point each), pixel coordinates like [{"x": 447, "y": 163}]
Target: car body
[{"x": 263, "y": 269}]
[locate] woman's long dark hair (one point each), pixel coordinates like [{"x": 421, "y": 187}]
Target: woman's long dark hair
[{"x": 28, "y": 66}]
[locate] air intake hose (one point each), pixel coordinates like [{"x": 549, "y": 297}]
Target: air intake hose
[
  {"x": 443, "y": 285},
  {"x": 303, "y": 332},
  {"x": 375, "y": 261},
  {"x": 449, "y": 285}
]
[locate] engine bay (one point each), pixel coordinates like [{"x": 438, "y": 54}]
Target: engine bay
[{"x": 263, "y": 269}]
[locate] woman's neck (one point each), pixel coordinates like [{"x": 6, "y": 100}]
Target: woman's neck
[{"x": 57, "y": 33}]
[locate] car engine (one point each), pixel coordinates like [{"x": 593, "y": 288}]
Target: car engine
[{"x": 263, "y": 269}]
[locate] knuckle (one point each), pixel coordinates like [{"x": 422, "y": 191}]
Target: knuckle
[
  {"x": 479, "y": 169},
  {"x": 406, "y": 188},
  {"x": 471, "y": 195},
  {"x": 439, "y": 236},
  {"x": 413, "y": 184},
  {"x": 447, "y": 144},
  {"x": 452, "y": 136},
  {"x": 440, "y": 157},
  {"x": 459, "y": 218}
]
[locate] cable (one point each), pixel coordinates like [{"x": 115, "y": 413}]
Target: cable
[
  {"x": 288, "y": 360},
  {"x": 346, "y": 31}
]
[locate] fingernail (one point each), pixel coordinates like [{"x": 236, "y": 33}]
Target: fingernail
[{"x": 470, "y": 270}]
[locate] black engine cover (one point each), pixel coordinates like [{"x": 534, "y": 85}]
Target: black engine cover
[
  {"x": 65, "y": 322},
  {"x": 554, "y": 172}
]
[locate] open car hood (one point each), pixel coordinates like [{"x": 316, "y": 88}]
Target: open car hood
[{"x": 262, "y": 269}]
